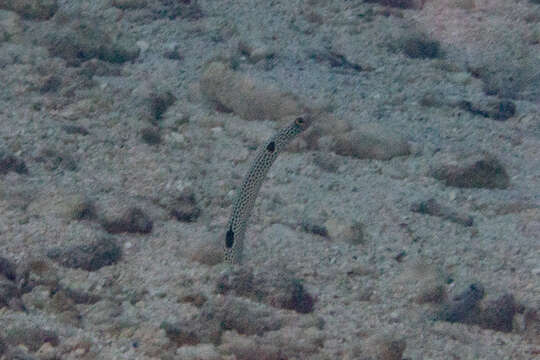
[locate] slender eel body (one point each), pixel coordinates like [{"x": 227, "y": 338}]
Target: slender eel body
[{"x": 245, "y": 199}]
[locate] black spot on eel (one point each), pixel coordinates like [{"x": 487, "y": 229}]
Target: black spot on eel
[{"x": 245, "y": 199}]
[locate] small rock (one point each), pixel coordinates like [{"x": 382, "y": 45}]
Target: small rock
[
  {"x": 79, "y": 207},
  {"x": 208, "y": 253},
  {"x": 85, "y": 39},
  {"x": 75, "y": 129},
  {"x": 8, "y": 291},
  {"x": 134, "y": 220},
  {"x": 19, "y": 353},
  {"x": 79, "y": 296},
  {"x": 290, "y": 294},
  {"x": 499, "y": 314},
  {"x": 198, "y": 352},
  {"x": 84, "y": 108},
  {"x": 333, "y": 58},
  {"x": 531, "y": 319},
  {"x": 361, "y": 270},
  {"x": 204, "y": 328},
  {"x": 255, "y": 54},
  {"x": 129, "y": 4},
  {"x": 31, "y": 337},
  {"x": 312, "y": 226},
  {"x": 277, "y": 288},
  {"x": 184, "y": 207},
  {"x": 327, "y": 161},
  {"x": 9, "y": 162},
  {"x": 7, "y": 269},
  {"x": 50, "y": 83},
  {"x": 433, "y": 208},
  {"x": 497, "y": 110},
  {"x": 56, "y": 159},
  {"x": 96, "y": 67},
  {"x": 179, "y": 334},
  {"x": 426, "y": 282},
  {"x": 37, "y": 299},
  {"x": 150, "y": 340},
  {"x": 463, "y": 4},
  {"x": 240, "y": 283},
  {"x": 151, "y": 136},
  {"x": 529, "y": 224},
  {"x": 34, "y": 272},
  {"x": 197, "y": 299},
  {"x": 431, "y": 285},
  {"x": 11, "y": 25},
  {"x": 240, "y": 316},
  {"x": 340, "y": 230},
  {"x": 174, "y": 52},
  {"x": 403, "y": 4},
  {"x": 103, "y": 312},
  {"x": 464, "y": 307},
  {"x": 47, "y": 351},
  {"x": 90, "y": 257},
  {"x": 64, "y": 307},
  {"x": 502, "y": 74},
  {"x": 385, "y": 347},
  {"x": 261, "y": 53},
  {"x": 243, "y": 95},
  {"x": 218, "y": 316},
  {"x": 371, "y": 142},
  {"x": 246, "y": 348},
  {"x": 32, "y": 9},
  {"x": 77, "y": 346},
  {"x": 419, "y": 46},
  {"x": 172, "y": 9},
  {"x": 289, "y": 343},
  {"x": 476, "y": 171},
  {"x": 159, "y": 103}
]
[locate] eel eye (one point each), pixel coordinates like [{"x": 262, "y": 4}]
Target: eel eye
[{"x": 299, "y": 121}]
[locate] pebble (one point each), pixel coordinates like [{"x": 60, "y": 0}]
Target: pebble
[
  {"x": 183, "y": 207},
  {"x": 129, "y": 4},
  {"x": 31, "y": 337},
  {"x": 133, "y": 220},
  {"x": 89, "y": 256},
  {"x": 274, "y": 287},
  {"x": 341, "y": 230},
  {"x": 499, "y": 314},
  {"x": 496, "y": 109},
  {"x": 384, "y": 347},
  {"x": 143, "y": 45},
  {"x": 474, "y": 171},
  {"x": 464, "y": 307},
  {"x": 83, "y": 39},
  {"x": 33, "y": 272},
  {"x": 246, "y": 97},
  {"x": 433, "y": 208},
  {"x": 32, "y": 9},
  {"x": 11, "y": 26},
  {"x": 7, "y": 269},
  {"x": 10, "y": 162},
  {"x": 8, "y": 291},
  {"x": 371, "y": 141}
]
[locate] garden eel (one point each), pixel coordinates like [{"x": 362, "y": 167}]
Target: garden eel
[{"x": 245, "y": 199}]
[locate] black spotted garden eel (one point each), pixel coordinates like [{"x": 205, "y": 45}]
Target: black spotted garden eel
[{"x": 245, "y": 198}]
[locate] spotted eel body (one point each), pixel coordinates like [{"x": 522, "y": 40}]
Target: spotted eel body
[{"x": 245, "y": 199}]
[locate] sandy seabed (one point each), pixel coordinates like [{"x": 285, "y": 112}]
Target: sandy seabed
[{"x": 404, "y": 224}]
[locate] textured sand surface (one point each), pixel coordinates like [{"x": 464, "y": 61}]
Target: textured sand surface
[{"x": 404, "y": 224}]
